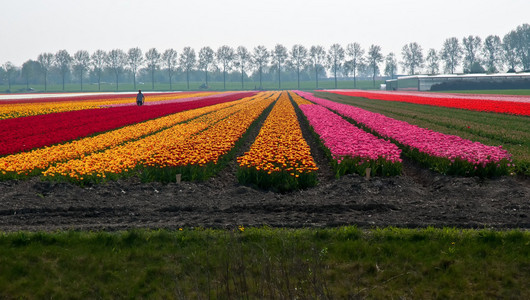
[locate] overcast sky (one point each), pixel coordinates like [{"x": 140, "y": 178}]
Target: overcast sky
[{"x": 31, "y": 27}]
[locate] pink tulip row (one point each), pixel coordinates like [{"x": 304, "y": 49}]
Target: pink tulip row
[
  {"x": 426, "y": 145},
  {"x": 348, "y": 143}
]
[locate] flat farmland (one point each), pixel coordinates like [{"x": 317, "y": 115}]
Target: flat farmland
[{"x": 126, "y": 176}]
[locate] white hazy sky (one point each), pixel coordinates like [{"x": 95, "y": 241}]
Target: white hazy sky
[{"x": 31, "y": 27}]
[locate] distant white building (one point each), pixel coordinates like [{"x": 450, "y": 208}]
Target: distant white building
[{"x": 466, "y": 81}]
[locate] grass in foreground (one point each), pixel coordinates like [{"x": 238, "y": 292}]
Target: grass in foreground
[
  {"x": 267, "y": 263},
  {"x": 512, "y": 132}
]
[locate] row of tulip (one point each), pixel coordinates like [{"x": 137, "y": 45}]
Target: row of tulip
[
  {"x": 23, "y": 134},
  {"x": 34, "y": 161},
  {"x": 187, "y": 148},
  {"x": 279, "y": 158},
  {"x": 351, "y": 149},
  {"x": 21, "y": 108},
  {"x": 187, "y": 98},
  {"x": 485, "y": 103},
  {"x": 447, "y": 154}
]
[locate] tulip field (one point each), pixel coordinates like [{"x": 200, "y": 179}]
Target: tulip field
[{"x": 96, "y": 138}]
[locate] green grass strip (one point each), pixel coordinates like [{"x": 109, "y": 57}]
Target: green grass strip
[{"x": 265, "y": 263}]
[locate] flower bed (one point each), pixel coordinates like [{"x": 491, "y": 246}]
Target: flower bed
[
  {"x": 189, "y": 148},
  {"x": 36, "y": 160},
  {"x": 352, "y": 149},
  {"x": 38, "y": 106},
  {"x": 23, "y": 134},
  {"x": 479, "y": 103},
  {"x": 279, "y": 158},
  {"x": 447, "y": 154}
]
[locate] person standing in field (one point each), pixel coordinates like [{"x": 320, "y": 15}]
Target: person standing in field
[{"x": 140, "y": 98}]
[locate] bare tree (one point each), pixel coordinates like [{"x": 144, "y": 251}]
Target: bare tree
[
  {"x": 187, "y": 62},
  {"x": 317, "y": 54},
  {"x": 46, "y": 62},
  {"x": 260, "y": 58},
  {"x": 374, "y": 58},
  {"x": 170, "y": 61},
  {"x": 206, "y": 58},
  {"x": 509, "y": 45},
  {"x": 279, "y": 55},
  {"x": 135, "y": 59},
  {"x": 335, "y": 59},
  {"x": 521, "y": 44},
  {"x": 225, "y": 56},
  {"x": 390, "y": 65},
  {"x": 492, "y": 52},
  {"x": 153, "y": 57},
  {"x": 355, "y": 54},
  {"x": 62, "y": 61},
  {"x": 99, "y": 61},
  {"x": 241, "y": 59},
  {"x": 298, "y": 59},
  {"x": 10, "y": 70},
  {"x": 472, "y": 47},
  {"x": 81, "y": 63},
  {"x": 451, "y": 54},
  {"x": 433, "y": 61},
  {"x": 116, "y": 60},
  {"x": 29, "y": 68},
  {"x": 412, "y": 57}
]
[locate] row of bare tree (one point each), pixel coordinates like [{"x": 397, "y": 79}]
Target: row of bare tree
[{"x": 476, "y": 56}]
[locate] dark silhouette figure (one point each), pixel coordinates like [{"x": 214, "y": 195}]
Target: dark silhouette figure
[{"x": 140, "y": 98}]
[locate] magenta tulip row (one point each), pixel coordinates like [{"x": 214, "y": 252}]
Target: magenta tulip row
[
  {"x": 344, "y": 139},
  {"x": 434, "y": 144}
]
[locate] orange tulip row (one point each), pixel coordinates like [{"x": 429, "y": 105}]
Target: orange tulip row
[
  {"x": 8, "y": 111},
  {"x": 199, "y": 141},
  {"x": 280, "y": 146},
  {"x": 40, "y": 159}
]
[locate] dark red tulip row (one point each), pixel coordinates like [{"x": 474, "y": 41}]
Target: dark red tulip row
[{"x": 26, "y": 133}]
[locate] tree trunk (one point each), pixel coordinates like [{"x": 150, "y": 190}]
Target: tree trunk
[
  {"x": 134, "y": 79},
  {"x": 81, "y": 80},
  {"x": 169, "y": 75},
  {"x": 242, "y": 76},
  {"x": 188, "y": 78},
  {"x": 279, "y": 77},
  {"x": 298, "y": 75},
  {"x": 63, "y": 80},
  {"x": 354, "y": 79},
  {"x": 224, "y": 78},
  {"x": 316, "y": 75},
  {"x": 260, "y": 86},
  {"x": 335, "y": 75},
  {"x": 116, "y": 81},
  {"x": 45, "y": 83},
  {"x": 206, "y": 74},
  {"x": 153, "y": 79}
]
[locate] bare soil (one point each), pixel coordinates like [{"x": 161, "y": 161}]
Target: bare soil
[{"x": 417, "y": 198}]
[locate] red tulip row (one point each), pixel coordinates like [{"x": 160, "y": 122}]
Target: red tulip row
[
  {"x": 486, "y": 103},
  {"x": 26, "y": 133}
]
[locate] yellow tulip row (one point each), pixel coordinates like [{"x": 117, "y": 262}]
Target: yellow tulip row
[
  {"x": 280, "y": 146},
  {"x": 299, "y": 100},
  {"x": 209, "y": 145},
  {"x": 181, "y": 144},
  {"x": 40, "y": 159},
  {"x": 8, "y": 111}
]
